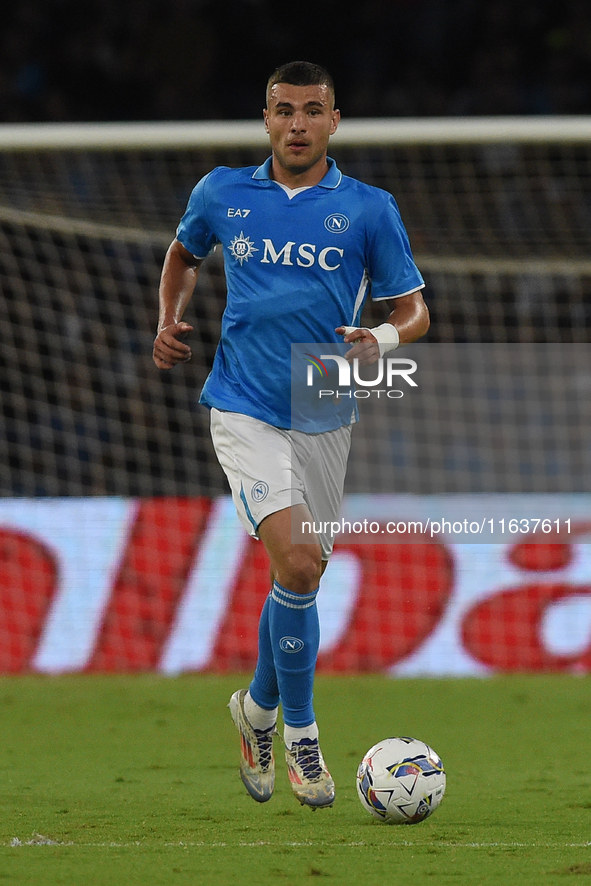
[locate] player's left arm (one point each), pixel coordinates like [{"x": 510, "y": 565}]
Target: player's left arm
[{"x": 409, "y": 317}]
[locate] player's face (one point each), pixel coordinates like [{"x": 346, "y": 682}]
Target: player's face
[{"x": 300, "y": 121}]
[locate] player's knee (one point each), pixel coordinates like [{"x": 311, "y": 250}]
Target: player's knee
[{"x": 300, "y": 571}]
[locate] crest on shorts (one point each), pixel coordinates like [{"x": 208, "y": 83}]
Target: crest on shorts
[
  {"x": 242, "y": 248},
  {"x": 259, "y": 491}
]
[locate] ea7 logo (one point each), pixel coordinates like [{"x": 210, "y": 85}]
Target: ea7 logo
[{"x": 238, "y": 213}]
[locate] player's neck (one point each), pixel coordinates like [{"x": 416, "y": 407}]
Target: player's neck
[{"x": 306, "y": 178}]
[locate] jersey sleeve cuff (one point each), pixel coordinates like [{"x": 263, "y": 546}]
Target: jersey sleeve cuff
[{"x": 399, "y": 294}]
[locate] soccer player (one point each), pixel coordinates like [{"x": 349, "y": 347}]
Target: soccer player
[{"x": 303, "y": 246}]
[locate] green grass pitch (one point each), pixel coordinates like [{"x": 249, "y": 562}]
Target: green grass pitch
[{"x": 133, "y": 780}]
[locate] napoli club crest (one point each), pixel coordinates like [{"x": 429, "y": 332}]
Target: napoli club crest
[
  {"x": 259, "y": 491},
  {"x": 337, "y": 223}
]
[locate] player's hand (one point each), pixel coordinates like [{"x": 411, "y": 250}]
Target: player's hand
[
  {"x": 365, "y": 346},
  {"x": 168, "y": 347}
]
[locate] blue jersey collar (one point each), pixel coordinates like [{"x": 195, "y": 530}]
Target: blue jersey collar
[{"x": 331, "y": 180}]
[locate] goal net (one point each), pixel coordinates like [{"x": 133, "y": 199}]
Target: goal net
[{"x": 498, "y": 213}]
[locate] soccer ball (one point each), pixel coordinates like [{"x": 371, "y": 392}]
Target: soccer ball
[{"x": 401, "y": 781}]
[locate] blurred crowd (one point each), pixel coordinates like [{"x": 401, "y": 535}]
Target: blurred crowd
[{"x": 62, "y": 60}]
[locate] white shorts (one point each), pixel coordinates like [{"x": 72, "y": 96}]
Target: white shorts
[{"x": 270, "y": 469}]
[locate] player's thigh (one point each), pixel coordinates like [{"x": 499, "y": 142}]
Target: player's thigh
[
  {"x": 324, "y": 481},
  {"x": 258, "y": 463}
]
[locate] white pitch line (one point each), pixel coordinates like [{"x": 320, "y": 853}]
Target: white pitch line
[{"x": 39, "y": 840}]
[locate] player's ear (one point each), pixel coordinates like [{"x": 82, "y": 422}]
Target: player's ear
[
  {"x": 336, "y": 117},
  {"x": 266, "y": 119}
]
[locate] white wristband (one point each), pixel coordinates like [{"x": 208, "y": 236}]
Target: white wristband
[{"x": 386, "y": 336}]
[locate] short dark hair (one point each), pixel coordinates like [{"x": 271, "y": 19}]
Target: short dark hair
[{"x": 300, "y": 74}]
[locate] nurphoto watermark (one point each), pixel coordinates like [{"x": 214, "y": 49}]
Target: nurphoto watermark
[{"x": 352, "y": 382}]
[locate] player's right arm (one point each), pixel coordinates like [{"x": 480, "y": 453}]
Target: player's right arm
[{"x": 177, "y": 283}]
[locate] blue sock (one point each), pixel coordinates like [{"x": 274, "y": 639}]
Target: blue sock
[
  {"x": 264, "y": 689},
  {"x": 295, "y": 637}
]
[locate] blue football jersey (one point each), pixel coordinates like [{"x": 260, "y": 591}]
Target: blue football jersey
[{"x": 297, "y": 265}]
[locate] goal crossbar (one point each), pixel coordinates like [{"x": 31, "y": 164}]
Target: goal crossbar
[{"x": 251, "y": 133}]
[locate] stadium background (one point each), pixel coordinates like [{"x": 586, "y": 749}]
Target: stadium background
[{"x": 119, "y": 549}]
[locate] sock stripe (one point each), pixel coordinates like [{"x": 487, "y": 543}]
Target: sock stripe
[
  {"x": 292, "y": 601},
  {"x": 291, "y": 605},
  {"x": 282, "y": 590}
]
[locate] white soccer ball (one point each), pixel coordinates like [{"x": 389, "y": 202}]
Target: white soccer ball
[{"x": 401, "y": 781}]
